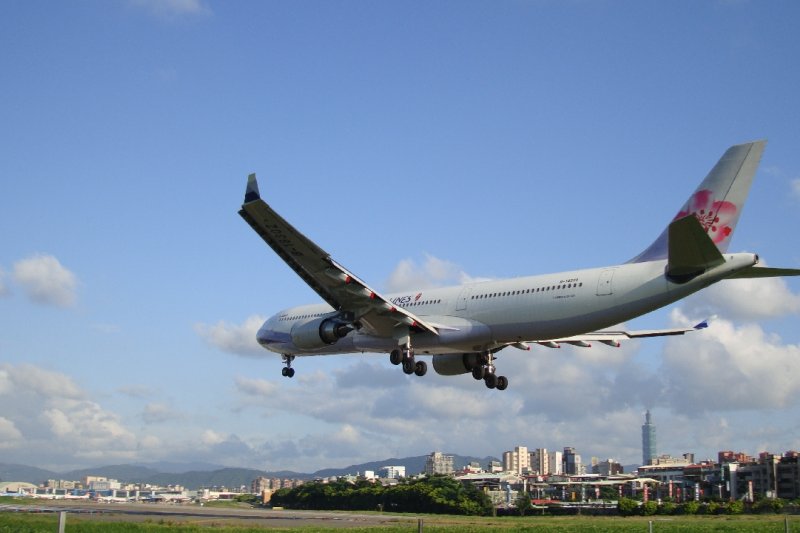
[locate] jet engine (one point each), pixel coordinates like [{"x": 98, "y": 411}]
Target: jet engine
[
  {"x": 319, "y": 333},
  {"x": 453, "y": 364}
]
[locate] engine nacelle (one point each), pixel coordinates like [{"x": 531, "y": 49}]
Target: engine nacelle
[
  {"x": 319, "y": 333},
  {"x": 453, "y": 364}
]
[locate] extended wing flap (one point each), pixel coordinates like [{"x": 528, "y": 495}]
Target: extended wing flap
[
  {"x": 339, "y": 287},
  {"x": 613, "y": 338}
]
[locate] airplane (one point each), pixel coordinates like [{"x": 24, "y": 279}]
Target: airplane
[{"x": 463, "y": 327}]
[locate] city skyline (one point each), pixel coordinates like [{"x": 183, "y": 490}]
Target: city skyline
[{"x": 422, "y": 144}]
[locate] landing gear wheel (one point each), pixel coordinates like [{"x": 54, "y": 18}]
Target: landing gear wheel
[
  {"x": 420, "y": 368},
  {"x": 287, "y": 371},
  {"x": 502, "y": 382},
  {"x": 490, "y": 380},
  {"x": 396, "y": 357},
  {"x": 409, "y": 366},
  {"x": 478, "y": 372}
]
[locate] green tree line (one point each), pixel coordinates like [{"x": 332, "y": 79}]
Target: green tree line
[{"x": 436, "y": 494}]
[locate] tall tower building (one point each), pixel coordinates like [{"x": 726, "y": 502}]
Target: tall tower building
[{"x": 648, "y": 440}]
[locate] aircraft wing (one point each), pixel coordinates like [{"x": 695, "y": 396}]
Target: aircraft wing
[
  {"x": 613, "y": 338},
  {"x": 342, "y": 289}
]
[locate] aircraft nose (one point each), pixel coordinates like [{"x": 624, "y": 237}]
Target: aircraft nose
[{"x": 263, "y": 335}]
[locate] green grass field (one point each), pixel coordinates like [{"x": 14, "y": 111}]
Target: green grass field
[{"x": 35, "y": 523}]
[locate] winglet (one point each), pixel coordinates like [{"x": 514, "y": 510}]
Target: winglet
[
  {"x": 702, "y": 325},
  {"x": 251, "y": 194}
]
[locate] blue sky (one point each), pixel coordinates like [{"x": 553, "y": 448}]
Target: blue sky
[{"x": 418, "y": 143}]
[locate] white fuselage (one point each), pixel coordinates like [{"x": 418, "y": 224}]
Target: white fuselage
[{"x": 483, "y": 316}]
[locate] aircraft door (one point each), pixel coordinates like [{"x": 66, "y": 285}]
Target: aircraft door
[
  {"x": 461, "y": 304},
  {"x": 604, "y": 287}
]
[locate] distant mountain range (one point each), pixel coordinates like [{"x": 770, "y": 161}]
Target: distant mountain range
[{"x": 194, "y": 476}]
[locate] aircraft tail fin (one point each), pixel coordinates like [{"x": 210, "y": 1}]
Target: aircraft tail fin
[{"x": 717, "y": 202}]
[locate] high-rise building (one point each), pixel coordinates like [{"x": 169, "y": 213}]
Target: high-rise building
[
  {"x": 539, "y": 463},
  {"x": 571, "y": 462},
  {"x": 555, "y": 463},
  {"x": 439, "y": 463},
  {"x": 648, "y": 440},
  {"x": 517, "y": 461},
  {"x": 259, "y": 485}
]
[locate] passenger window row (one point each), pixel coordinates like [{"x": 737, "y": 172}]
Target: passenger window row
[
  {"x": 526, "y": 291},
  {"x": 298, "y": 317},
  {"x": 426, "y": 302}
]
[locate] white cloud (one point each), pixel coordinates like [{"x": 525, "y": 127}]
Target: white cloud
[
  {"x": 434, "y": 272},
  {"x": 728, "y": 368},
  {"x": 9, "y": 434},
  {"x": 745, "y": 299},
  {"x": 49, "y": 416},
  {"x": 43, "y": 383},
  {"x": 58, "y": 421},
  {"x": 257, "y": 387},
  {"x": 454, "y": 414},
  {"x": 796, "y": 187},
  {"x": 46, "y": 281},
  {"x": 173, "y": 8},
  {"x": 232, "y": 338},
  {"x": 211, "y": 437}
]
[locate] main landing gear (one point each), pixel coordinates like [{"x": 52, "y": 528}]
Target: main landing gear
[
  {"x": 287, "y": 371},
  {"x": 405, "y": 356},
  {"x": 486, "y": 371}
]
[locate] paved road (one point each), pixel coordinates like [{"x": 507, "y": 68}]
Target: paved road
[{"x": 135, "y": 512}]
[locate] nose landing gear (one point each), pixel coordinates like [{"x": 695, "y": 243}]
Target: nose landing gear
[{"x": 287, "y": 371}]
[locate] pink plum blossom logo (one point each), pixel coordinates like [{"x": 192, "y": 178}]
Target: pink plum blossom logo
[{"x": 716, "y": 217}]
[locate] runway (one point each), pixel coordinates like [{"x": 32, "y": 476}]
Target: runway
[{"x": 192, "y": 513}]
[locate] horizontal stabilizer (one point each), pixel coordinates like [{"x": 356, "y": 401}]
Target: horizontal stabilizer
[
  {"x": 690, "y": 250},
  {"x": 764, "y": 272}
]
